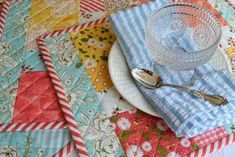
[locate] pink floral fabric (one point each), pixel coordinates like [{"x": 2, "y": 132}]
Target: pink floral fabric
[{"x": 142, "y": 135}]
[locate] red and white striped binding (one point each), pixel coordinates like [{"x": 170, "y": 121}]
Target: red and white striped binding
[
  {"x": 3, "y": 15},
  {"x": 66, "y": 150},
  {"x": 213, "y": 146},
  {"x": 71, "y": 123},
  {"x": 232, "y": 4},
  {"x": 92, "y": 5},
  {"x": 75, "y": 28},
  {"x": 32, "y": 126},
  {"x": 63, "y": 101}
]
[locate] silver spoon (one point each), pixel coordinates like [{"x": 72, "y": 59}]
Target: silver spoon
[{"x": 153, "y": 81}]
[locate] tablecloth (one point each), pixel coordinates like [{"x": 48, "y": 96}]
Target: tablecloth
[{"x": 57, "y": 98}]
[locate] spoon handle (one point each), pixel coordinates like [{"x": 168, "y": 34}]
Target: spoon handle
[{"x": 214, "y": 99}]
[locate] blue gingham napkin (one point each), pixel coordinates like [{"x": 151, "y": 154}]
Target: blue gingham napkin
[{"x": 185, "y": 115}]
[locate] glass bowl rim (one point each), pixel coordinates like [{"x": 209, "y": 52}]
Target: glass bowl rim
[{"x": 171, "y": 4}]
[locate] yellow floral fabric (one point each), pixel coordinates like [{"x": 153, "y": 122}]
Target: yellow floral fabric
[
  {"x": 230, "y": 51},
  {"x": 53, "y": 14},
  {"x": 93, "y": 45}
]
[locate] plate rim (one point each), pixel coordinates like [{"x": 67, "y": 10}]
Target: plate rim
[{"x": 153, "y": 113}]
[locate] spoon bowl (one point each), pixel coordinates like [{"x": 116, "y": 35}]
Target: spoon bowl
[
  {"x": 152, "y": 80},
  {"x": 147, "y": 78}
]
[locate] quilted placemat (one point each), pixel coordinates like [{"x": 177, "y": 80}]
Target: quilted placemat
[
  {"x": 92, "y": 132},
  {"x": 32, "y": 123},
  {"x": 28, "y": 100}
]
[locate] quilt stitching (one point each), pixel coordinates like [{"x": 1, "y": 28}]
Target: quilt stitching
[
  {"x": 85, "y": 124},
  {"x": 13, "y": 34}
]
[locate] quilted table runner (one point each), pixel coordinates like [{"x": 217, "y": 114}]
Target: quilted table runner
[{"x": 56, "y": 96}]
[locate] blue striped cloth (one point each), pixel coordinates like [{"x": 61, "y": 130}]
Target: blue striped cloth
[{"x": 185, "y": 115}]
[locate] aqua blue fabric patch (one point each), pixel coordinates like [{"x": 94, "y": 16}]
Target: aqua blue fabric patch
[
  {"x": 225, "y": 10},
  {"x": 11, "y": 47},
  {"x": 14, "y": 58},
  {"x": 38, "y": 143},
  {"x": 33, "y": 61},
  {"x": 230, "y": 128}
]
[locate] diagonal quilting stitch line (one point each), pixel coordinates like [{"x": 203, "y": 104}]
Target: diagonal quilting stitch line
[
  {"x": 83, "y": 98},
  {"x": 9, "y": 69},
  {"x": 5, "y": 31},
  {"x": 18, "y": 77},
  {"x": 13, "y": 82},
  {"x": 24, "y": 32},
  {"x": 23, "y": 11},
  {"x": 32, "y": 101},
  {"x": 24, "y": 61},
  {"x": 59, "y": 21},
  {"x": 18, "y": 36},
  {"x": 9, "y": 19},
  {"x": 17, "y": 51},
  {"x": 29, "y": 85},
  {"x": 12, "y": 5},
  {"x": 79, "y": 82},
  {"x": 96, "y": 109},
  {"x": 78, "y": 109},
  {"x": 45, "y": 19},
  {"x": 44, "y": 109},
  {"x": 5, "y": 117},
  {"x": 41, "y": 9}
]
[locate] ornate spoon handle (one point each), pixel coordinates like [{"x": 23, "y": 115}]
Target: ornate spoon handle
[{"x": 214, "y": 99}]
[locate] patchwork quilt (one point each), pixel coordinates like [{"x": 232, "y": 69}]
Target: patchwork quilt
[{"x": 56, "y": 96}]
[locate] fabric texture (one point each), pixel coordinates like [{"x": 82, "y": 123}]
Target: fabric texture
[
  {"x": 97, "y": 131},
  {"x": 185, "y": 114}
]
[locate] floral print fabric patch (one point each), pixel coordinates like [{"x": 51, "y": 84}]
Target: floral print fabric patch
[
  {"x": 93, "y": 45},
  {"x": 143, "y": 135},
  {"x": 113, "y": 6},
  {"x": 53, "y": 14},
  {"x": 95, "y": 127},
  {"x": 38, "y": 143}
]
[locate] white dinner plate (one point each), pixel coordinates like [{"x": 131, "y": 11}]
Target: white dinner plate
[{"x": 123, "y": 81}]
